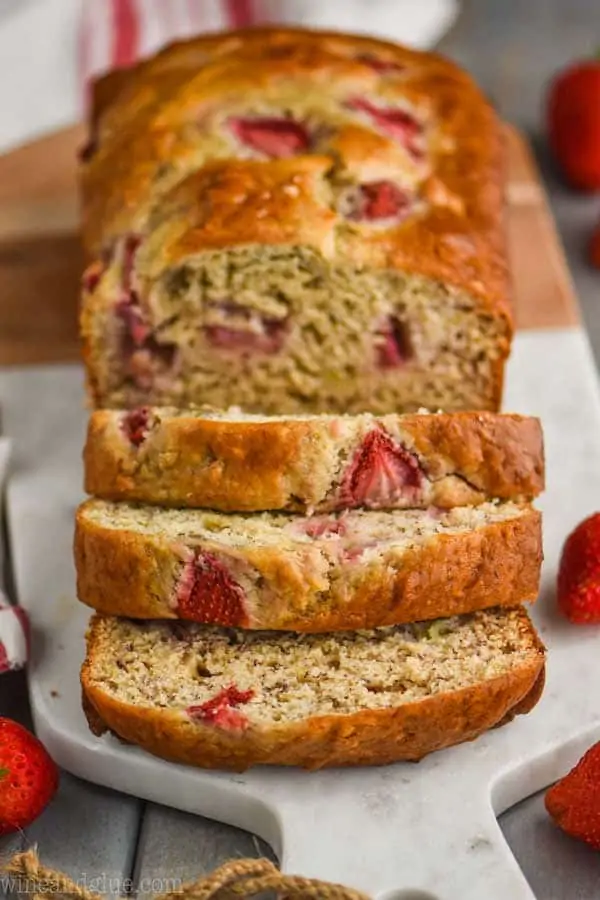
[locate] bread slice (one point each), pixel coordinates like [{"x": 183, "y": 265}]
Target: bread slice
[
  {"x": 222, "y": 698},
  {"x": 236, "y": 462},
  {"x": 323, "y": 573}
]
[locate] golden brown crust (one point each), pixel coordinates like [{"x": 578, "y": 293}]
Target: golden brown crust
[
  {"x": 369, "y": 737},
  {"x": 296, "y": 464},
  {"x": 127, "y": 573},
  {"x": 147, "y": 120},
  {"x": 501, "y": 455}
]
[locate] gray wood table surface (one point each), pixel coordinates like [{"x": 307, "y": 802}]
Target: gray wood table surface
[{"x": 512, "y": 47}]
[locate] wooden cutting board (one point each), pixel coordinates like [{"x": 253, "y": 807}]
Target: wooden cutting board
[{"x": 41, "y": 262}]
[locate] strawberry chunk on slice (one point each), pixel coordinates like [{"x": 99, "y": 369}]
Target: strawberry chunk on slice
[
  {"x": 130, "y": 245},
  {"x": 136, "y": 425},
  {"x": 250, "y": 331},
  {"x": 380, "y": 474},
  {"x": 274, "y": 137},
  {"x": 96, "y": 270},
  {"x": 128, "y": 307},
  {"x": 383, "y": 199},
  {"x": 221, "y": 710},
  {"x": 324, "y": 526},
  {"x": 398, "y": 123},
  {"x": 136, "y": 328},
  {"x": 91, "y": 277},
  {"x": 394, "y": 349},
  {"x": 207, "y": 592},
  {"x": 270, "y": 340},
  {"x": 355, "y": 551},
  {"x": 144, "y": 355},
  {"x": 383, "y": 66},
  {"x": 376, "y": 200}
]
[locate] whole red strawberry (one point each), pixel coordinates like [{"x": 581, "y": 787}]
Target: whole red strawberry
[
  {"x": 574, "y": 123},
  {"x": 579, "y": 573},
  {"x": 574, "y": 802},
  {"x": 28, "y": 777}
]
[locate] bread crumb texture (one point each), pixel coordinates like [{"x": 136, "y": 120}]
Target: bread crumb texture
[
  {"x": 283, "y": 677},
  {"x": 404, "y": 528}
]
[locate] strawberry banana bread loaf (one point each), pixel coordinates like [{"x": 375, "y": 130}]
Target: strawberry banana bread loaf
[
  {"x": 220, "y": 698},
  {"x": 236, "y": 462},
  {"x": 294, "y": 221},
  {"x": 322, "y": 573}
]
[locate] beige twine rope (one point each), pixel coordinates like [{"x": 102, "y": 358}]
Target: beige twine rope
[{"x": 232, "y": 881}]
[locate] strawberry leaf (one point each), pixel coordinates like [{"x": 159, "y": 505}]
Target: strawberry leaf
[{"x": 4, "y": 773}]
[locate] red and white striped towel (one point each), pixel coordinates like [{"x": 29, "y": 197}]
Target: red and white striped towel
[
  {"x": 14, "y": 637},
  {"x": 116, "y": 33},
  {"x": 69, "y": 41},
  {"x": 14, "y": 630}
]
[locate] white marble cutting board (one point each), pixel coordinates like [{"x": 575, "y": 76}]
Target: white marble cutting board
[{"x": 424, "y": 831}]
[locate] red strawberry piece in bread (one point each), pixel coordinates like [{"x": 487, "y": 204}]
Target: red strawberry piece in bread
[
  {"x": 574, "y": 801},
  {"x": 323, "y": 526},
  {"x": 393, "y": 349},
  {"x": 137, "y": 329},
  {"x": 378, "y": 200},
  {"x": 270, "y": 340},
  {"x": 245, "y": 330},
  {"x": 573, "y": 118},
  {"x": 380, "y": 473},
  {"x": 579, "y": 573},
  {"x": 272, "y": 136},
  {"x": 398, "y": 123},
  {"x": 91, "y": 277},
  {"x": 128, "y": 307},
  {"x": 207, "y": 592},
  {"x": 130, "y": 246},
  {"x": 136, "y": 425},
  {"x": 94, "y": 272},
  {"x": 146, "y": 356},
  {"x": 221, "y": 710},
  {"x": 28, "y": 777},
  {"x": 383, "y": 66}
]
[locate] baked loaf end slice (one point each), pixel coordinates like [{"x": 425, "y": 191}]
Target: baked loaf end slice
[
  {"x": 235, "y": 462},
  {"x": 296, "y": 222},
  {"x": 321, "y": 573},
  {"x": 221, "y": 698}
]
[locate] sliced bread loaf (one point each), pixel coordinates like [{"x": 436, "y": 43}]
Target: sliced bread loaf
[
  {"x": 245, "y": 463},
  {"x": 274, "y": 571},
  {"x": 222, "y": 698}
]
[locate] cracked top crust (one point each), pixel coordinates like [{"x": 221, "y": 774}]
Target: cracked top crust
[{"x": 387, "y": 157}]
